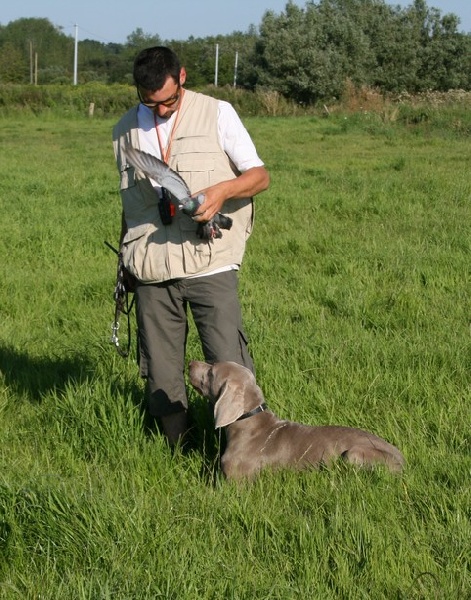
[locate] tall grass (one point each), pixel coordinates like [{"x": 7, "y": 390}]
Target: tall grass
[{"x": 355, "y": 292}]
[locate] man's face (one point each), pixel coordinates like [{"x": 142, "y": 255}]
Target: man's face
[{"x": 164, "y": 102}]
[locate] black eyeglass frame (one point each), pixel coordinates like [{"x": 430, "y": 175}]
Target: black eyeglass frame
[{"x": 167, "y": 103}]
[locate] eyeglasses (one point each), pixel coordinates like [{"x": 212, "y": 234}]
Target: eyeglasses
[{"x": 169, "y": 102}]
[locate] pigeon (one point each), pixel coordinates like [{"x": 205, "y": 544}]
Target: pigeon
[{"x": 173, "y": 183}]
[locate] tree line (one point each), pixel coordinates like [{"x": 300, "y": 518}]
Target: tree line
[{"x": 304, "y": 53}]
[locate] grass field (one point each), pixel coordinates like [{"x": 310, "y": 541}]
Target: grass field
[{"x": 356, "y": 297}]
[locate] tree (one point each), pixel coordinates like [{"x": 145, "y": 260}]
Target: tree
[
  {"x": 308, "y": 54},
  {"x": 53, "y": 49},
  {"x": 13, "y": 68},
  {"x": 138, "y": 40},
  {"x": 445, "y": 59},
  {"x": 104, "y": 62}
]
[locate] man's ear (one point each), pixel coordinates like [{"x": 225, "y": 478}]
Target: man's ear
[
  {"x": 182, "y": 76},
  {"x": 229, "y": 406}
]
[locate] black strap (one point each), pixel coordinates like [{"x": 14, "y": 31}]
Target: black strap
[
  {"x": 122, "y": 305},
  {"x": 253, "y": 412}
]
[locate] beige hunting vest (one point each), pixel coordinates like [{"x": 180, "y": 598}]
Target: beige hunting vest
[{"x": 154, "y": 252}]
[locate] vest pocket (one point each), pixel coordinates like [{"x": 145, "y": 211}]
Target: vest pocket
[
  {"x": 197, "y": 172},
  {"x": 127, "y": 179},
  {"x": 144, "y": 253},
  {"x": 197, "y": 257}
]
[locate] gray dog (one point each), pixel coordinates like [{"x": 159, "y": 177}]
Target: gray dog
[{"x": 256, "y": 438}]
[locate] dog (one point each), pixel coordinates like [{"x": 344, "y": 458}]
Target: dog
[{"x": 256, "y": 438}]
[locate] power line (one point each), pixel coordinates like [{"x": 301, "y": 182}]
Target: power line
[{"x": 93, "y": 35}]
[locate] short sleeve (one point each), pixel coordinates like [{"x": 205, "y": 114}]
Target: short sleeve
[{"x": 235, "y": 139}]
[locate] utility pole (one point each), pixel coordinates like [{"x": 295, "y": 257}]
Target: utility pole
[
  {"x": 235, "y": 68},
  {"x": 76, "y": 55},
  {"x": 216, "y": 66}
]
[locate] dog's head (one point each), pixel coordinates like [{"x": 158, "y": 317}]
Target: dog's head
[{"x": 230, "y": 387}]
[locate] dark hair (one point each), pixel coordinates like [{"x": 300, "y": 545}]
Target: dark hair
[{"x": 153, "y": 66}]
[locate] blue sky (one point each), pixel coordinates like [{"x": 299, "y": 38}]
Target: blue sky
[{"x": 112, "y": 21}]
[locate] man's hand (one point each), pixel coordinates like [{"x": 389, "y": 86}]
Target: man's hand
[
  {"x": 246, "y": 185},
  {"x": 210, "y": 204},
  {"x": 208, "y": 227}
]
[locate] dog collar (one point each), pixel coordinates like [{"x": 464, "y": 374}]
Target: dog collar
[{"x": 253, "y": 412}]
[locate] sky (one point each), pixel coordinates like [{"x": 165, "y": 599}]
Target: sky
[{"x": 113, "y": 20}]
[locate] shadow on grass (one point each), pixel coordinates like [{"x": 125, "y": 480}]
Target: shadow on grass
[
  {"x": 201, "y": 439},
  {"x": 33, "y": 377}
]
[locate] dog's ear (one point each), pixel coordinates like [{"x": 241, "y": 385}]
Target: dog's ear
[{"x": 229, "y": 406}]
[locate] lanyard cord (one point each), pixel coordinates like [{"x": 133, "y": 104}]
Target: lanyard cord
[{"x": 165, "y": 154}]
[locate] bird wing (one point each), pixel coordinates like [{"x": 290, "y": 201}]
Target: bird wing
[
  {"x": 171, "y": 181},
  {"x": 159, "y": 172}
]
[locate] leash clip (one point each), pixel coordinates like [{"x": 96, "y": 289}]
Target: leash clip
[{"x": 114, "y": 336}]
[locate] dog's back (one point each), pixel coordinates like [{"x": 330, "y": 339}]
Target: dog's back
[{"x": 266, "y": 441}]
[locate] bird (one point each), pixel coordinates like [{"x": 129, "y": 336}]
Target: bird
[{"x": 176, "y": 186}]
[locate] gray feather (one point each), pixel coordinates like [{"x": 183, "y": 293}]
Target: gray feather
[
  {"x": 159, "y": 172},
  {"x": 170, "y": 180}
]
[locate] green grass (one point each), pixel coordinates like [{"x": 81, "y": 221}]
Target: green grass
[{"x": 355, "y": 292}]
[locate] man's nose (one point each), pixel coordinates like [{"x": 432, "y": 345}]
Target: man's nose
[{"x": 161, "y": 110}]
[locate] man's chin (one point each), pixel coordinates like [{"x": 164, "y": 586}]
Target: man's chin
[{"x": 167, "y": 115}]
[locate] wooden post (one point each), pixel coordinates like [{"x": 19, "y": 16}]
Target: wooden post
[{"x": 31, "y": 68}]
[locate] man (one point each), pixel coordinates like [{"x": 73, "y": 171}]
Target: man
[{"x": 203, "y": 140}]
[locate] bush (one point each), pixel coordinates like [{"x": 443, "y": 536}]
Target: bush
[
  {"x": 115, "y": 99},
  {"x": 66, "y": 99}
]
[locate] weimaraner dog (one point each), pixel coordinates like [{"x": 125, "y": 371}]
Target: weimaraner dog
[{"x": 256, "y": 438}]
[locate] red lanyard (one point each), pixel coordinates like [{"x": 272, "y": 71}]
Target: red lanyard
[{"x": 165, "y": 154}]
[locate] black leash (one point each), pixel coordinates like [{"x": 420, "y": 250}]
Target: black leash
[{"x": 122, "y": 305}]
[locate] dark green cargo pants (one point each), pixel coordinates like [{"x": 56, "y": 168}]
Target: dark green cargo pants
[{"x": 163, "y": 329}]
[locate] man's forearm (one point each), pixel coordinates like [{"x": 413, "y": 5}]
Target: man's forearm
[{"x": 248, "y": 184}]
